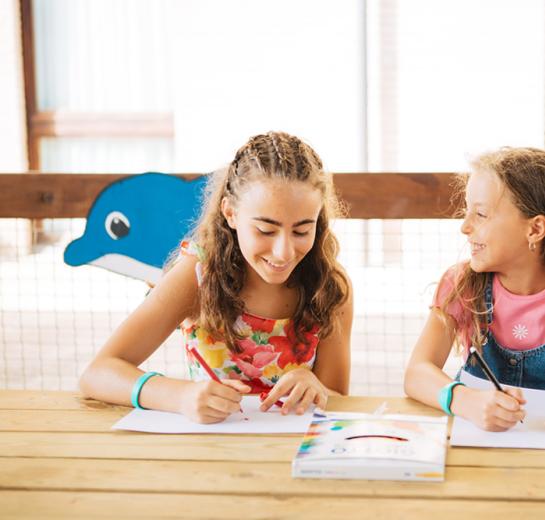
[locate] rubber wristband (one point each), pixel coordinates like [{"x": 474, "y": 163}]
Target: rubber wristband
[
  {"x": 137, "y": 388},
  {"x": 445, "y": 396}
]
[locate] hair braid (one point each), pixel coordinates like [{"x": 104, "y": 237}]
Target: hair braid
[{"x": 319, "y": 279}]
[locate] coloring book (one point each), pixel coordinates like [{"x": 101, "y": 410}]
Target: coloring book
[{"x": 373, "y": 446}]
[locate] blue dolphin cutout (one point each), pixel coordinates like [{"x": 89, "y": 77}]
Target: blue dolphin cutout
[{"x": 135, "y": 224}]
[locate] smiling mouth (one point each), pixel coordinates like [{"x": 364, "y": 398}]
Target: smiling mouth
[
  {"x": 475, "y": 247},
  {"x": 277, "y": 267}
]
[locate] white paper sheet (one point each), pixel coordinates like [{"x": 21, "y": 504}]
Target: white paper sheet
[
  {"x": 251, "y": 421},
  {"x": 530, "y": 434}
]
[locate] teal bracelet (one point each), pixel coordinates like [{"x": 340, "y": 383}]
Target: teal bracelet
[
  {"x": 445, "y": 396},
  {"x": 137, "y": 388}
]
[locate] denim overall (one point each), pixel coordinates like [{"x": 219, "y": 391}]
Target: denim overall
[{"x": 524, "y": 368}]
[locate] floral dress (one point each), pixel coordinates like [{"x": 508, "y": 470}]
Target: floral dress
[{"x": 269, "y": 347}]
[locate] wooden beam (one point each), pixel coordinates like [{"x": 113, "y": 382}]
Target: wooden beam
[
  {"x": 85, "y": 124},
  {"x": 397, "y": 195},
  {"x": 29, "y": 74},
  {"x": 368, "y": 195}
]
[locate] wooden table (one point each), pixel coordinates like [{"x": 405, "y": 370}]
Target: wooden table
[{"x": 59, "y": 458}]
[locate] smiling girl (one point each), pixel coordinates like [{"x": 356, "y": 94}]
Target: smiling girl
[
  {"x": 258, "y": 293},
  {"x": 496, "y": 301}
]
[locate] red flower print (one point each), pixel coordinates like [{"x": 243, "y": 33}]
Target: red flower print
[
  {"x": 259, "y": 324},
  {"x": 257, "y": 386},
  {"x": 253, "y": 358},
  {"x": 291, "y": 351},
  {"x": 233, "y": 374}
]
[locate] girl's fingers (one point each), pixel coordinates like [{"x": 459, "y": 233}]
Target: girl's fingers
[
  {"x": 513, "y": 416},
  {"x": 206, "y": 414},
  {"x": 507, "y": 410},
  {"x": 279, "y": 390},
  {"x": 306, "y": 401},
  {"x": 501, "y": 425},
  {"x": 507, "y": 401},
  {"x": 508, "y": 416},
  {"x": 237, "y": 385},
  {"x": 218, "y": 405},
  {"x": 321, "y": 400},
  {"x": 227, "y": 391},
  {"x": 211, "y": 419},
  {"x": 295, "y": 396},
  {"x": 516, "y": 393},
  {"x": 295, "y": 386}
]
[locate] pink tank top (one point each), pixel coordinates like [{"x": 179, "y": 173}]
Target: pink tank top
[{"x": 518, "y": 320}]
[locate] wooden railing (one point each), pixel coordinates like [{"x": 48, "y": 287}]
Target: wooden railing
[{"x": 368, "y": 195}]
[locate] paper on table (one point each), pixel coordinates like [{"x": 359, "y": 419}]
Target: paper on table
[
  {"x": 530, "y": 434},
  {"x": 256, "y": 421}
]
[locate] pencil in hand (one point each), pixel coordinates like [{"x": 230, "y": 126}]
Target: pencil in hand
[
  {"x": 206, "y": 367},
  {"x": 486, "y": 369}
]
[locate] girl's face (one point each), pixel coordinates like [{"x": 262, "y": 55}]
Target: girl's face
[
  {"x": 275, "y": 221},
  {"x": 496, "y": 230}
]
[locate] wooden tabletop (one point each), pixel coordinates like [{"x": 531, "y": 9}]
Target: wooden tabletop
[{"x": 60, "y": 459}]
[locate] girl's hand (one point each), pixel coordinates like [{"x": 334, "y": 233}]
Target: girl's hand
[
  {"x": 211, "y": 402},
  {"x": 496, "y": 411},
  {"x": 302, "y": 388}
]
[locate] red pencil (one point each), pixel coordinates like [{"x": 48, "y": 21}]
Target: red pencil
[
  {"x": 204, "y": 364},
  {"x": 264, "y": 395}
]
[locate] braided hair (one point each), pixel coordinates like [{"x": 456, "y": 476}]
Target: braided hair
[{"x": 320, "y": 281}]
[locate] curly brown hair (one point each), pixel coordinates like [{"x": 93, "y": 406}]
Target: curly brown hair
[
  {"x": 522, "y": 172},
  {"x": 320, "y": 280}
]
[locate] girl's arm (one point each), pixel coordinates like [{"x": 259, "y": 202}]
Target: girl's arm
[
  {"x": 332, "y": 365},
  {"x": 330, "y": 374},
  {"x": 111, "y": 375},
  {"x": 424, "y": 378}
]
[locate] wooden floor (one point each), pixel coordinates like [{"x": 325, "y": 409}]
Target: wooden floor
[{"x": 60, "y": 459}]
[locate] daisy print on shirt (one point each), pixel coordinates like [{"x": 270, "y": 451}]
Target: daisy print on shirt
[{"x": 520, "y": 331}]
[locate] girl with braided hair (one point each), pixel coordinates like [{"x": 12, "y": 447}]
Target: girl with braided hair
[{"x": 258, "y": 292}]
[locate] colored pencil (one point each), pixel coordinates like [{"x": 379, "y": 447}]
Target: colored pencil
[
  {"x": 204, "y": 364},
  {"x": 264, "y": 396}
]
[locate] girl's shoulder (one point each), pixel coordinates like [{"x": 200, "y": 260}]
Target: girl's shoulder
[
  {"x": 191, "y": 248},
  {"x": 176, "y": 294},
  {"x": 447, "y": 290},
  {"x": 191, "y": 253},
  {"x": 449, "y": 280}
]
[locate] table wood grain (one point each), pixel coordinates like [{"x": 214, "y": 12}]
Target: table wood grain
[{"x": 59, "y": 458}]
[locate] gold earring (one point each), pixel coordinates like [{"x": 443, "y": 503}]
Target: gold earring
[{"x": 532, "y": 246}]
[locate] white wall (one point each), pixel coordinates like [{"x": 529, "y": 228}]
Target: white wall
[
  {"x": 249, "y": 66},
  {"x": 12, "y": 110},
  {"x": 13, "y": 156},
  {"x": 469, "y": 76},
  {"x": 103, "y": 55}
]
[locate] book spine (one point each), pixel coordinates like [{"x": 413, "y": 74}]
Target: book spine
[{"x": 339, "y": 472}]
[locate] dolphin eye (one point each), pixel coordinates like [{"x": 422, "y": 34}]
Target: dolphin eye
[{"x": 117, "y": 225}]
